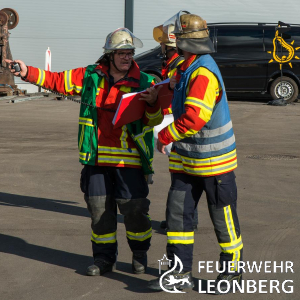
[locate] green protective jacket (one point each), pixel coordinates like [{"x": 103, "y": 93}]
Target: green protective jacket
[{"x": 141, "y": 134}]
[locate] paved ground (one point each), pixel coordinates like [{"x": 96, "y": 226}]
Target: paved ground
[{"x": 45, "y": 228}]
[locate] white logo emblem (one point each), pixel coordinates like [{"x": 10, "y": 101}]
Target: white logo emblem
[{"x": 171, "y": 278}]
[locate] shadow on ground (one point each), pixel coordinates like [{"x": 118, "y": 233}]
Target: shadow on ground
[
  {"x": 19, "y": 247},
  {"x": 59, "y": 206}
]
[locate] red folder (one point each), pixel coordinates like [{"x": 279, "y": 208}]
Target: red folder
[{"x": 131, "y": 108}]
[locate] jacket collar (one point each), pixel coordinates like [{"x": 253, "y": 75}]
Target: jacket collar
[
  {"x": 188, "y": 62},
  {"x": 170, "y": 60}
]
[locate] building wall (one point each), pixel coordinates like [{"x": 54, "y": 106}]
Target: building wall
[{"x": 75, "y": 30}]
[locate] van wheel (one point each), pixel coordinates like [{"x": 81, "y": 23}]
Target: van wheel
[
  {"x": 157, "y": 78},
  {"x": 285, "y": 88}
]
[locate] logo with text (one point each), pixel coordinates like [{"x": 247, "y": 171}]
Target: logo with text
[
  {"x": 260, "y": 283},
  {"x": 249, "y": 286}
]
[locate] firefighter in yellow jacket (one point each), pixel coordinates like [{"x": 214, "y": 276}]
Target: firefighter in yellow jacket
[{"x": 203, "y": 158}]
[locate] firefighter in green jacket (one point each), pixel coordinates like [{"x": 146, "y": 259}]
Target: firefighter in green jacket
[{"x": 115, "y": 159}]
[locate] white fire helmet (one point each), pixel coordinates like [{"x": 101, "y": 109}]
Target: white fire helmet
[{"x": 122, "y": 38}]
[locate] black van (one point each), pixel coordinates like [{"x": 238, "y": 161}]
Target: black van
[{"x": 250, "y": 57}]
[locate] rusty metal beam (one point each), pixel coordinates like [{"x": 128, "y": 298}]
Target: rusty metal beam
[{"x": 8, "y": 19}]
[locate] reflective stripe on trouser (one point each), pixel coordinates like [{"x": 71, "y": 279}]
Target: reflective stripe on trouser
[
  {"x": 104, "y": 189},
  {"x": 227, "y": 229},
  {"x": 137, "y": 222},
  {"x": 221, "y": 195}
]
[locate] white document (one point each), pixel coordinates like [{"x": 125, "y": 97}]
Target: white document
[{"x": 168, "y": 119}]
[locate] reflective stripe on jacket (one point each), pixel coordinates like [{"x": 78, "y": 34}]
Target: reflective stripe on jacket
[
  {"x": 115, "y": 147},
  {"x": 216, "y": 137},
  {"x": 211, "y": 150},
  {"x": 141, "y": 134}
]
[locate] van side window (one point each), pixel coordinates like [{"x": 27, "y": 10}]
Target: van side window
[
  {"x": 244, "y": 39},
  {"x": 213, "y": 35},
  {"x": 269, "y": 34},
  {"x": 291, "y": 37}
]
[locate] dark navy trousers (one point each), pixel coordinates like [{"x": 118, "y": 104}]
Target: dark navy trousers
[
  {"x": 183, "y": 197},
  {"x": 105, "y": 189}
]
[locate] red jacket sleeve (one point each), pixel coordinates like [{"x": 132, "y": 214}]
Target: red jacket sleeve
[
  {"x": 202, "y": 94},
  {"x": 67, "y": 82}
]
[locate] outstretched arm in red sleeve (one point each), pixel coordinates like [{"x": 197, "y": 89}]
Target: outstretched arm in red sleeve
[{"x": 67, "y": 82}]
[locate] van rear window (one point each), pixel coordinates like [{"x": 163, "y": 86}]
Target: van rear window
[{"x": 246, "y": 38}]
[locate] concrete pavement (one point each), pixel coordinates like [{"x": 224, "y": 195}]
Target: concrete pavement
[{"x": 45, "y": 228}]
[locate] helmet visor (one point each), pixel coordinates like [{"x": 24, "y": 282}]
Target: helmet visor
[
  {"x": 175, "y": 21},
  {"x": 167, "y": 38},
  {"x": 158, "y": 34}
]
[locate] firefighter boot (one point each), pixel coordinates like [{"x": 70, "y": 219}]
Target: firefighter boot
[
  {"x": 173, "y": 281},
  {"x": 100, "y": 267},
  {"x": 226, "y": 286},
  {"x": 139, "y": 262}
]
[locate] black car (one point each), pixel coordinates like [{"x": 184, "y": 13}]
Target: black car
[
  {"x": 150, "y": 62},
  {"x": 250, "y": 57}
]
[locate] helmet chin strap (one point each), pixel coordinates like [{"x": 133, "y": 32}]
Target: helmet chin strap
[
  {"x": 172, "y": 49},
  {"x": 165, "y": 54},
  {"x": 111, "y": 58},
  {"x": 179, "y": 51},
  {"x": 113, "y": 61}
]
